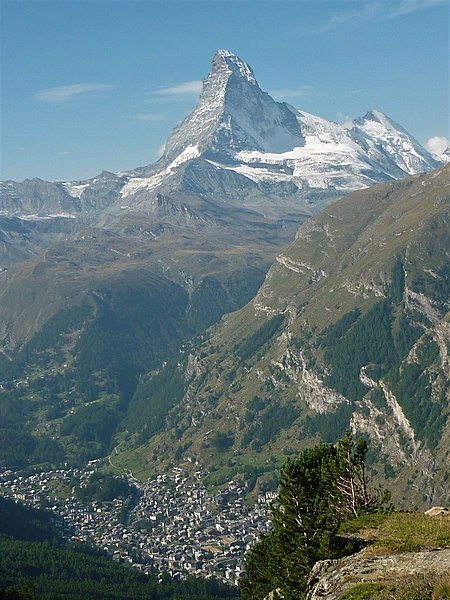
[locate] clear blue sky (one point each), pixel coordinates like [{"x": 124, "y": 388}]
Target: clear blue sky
[{"x": 93, "y": 85}]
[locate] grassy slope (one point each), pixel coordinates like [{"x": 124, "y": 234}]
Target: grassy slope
[{"x": 400, "y": 533}]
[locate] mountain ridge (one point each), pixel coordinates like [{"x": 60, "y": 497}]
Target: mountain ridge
[
  {"x": 237, "y": 127},
  {"x": 369, "y": 289}
]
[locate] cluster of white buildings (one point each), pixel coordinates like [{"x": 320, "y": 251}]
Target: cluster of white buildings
[{"x": 173, "y": 526}]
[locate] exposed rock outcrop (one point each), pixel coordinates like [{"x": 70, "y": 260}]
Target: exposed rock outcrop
[{"x": 331, "y": 578}]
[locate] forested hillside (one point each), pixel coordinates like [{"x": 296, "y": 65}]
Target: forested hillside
[{"x": 349, "y": 330}]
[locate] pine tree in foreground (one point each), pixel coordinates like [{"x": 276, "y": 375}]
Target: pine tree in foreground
[{"x": 323, "y": 487}]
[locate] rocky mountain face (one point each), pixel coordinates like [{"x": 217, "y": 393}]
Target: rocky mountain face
[
  {"x": 101, "y": 280},
  {"x": 349, "y": 330}
]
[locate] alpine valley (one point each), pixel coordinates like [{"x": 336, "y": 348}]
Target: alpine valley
[{"x": 271, "y": 281}]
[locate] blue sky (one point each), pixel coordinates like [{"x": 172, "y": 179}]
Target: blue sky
[{"x": 92, "y": 85}]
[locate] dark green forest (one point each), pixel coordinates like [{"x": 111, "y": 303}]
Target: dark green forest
[{"x": 261, "y": 336}]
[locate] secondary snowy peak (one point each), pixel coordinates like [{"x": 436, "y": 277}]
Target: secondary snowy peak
[
  {"x": 234, "y": 114},
  {"x": 391, "y": 145},
  {"x": 379, "y": 121},
  {"x": 443, "y": 156}
]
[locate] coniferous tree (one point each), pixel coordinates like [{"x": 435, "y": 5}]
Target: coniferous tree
[
  {"x": 351, "y": 480},
  {"x": 261, "y": 568},
  {"x": 304, "y": 521},
  {"x": 323, "y": 487}
]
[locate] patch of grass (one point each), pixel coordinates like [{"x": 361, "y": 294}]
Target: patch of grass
[
  {"x": 400, "y": 532},
  {"x": 362, "y": 591},
  {"x": 132, "y": 461},
  {"x": 363, "y": 523},
  {"x": 441, "y": 589},
  {"x": 396, "y": 545},
  {"x": 420, "y": 530},
  {"x": 411, "y": 588}
]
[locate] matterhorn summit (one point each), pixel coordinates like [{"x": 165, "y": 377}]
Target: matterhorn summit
[
  {"x": 239, "y": 144},
  {"x": 241, "y": 148},
  {"x": 234, "y": 114}
]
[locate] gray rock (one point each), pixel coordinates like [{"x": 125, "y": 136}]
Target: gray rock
[{"x": 331, "y": 578}]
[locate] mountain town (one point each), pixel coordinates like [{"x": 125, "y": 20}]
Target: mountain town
[{"x": 174, "y": 527}]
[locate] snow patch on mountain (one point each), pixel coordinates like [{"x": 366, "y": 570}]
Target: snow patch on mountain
[
  {"x": 136, "y": 184},
  {"x": 317, "y": 164},
  {"x": 47, "y": 217},
  {"x": 75, "y": 190}
]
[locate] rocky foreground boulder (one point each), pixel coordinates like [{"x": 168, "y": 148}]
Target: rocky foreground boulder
[{"x": 331, "y": 578}]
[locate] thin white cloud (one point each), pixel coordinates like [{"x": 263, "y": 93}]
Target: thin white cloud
[
  {"x": 406, "y": 7},
  {"x": 378, "y": 10},
  {"x": 56, "y": 95},
  {"x": 292, "y": 93},
  {"x": 188, "y": 87},
  {"x": 368, "y": 11},
  {"x": 436, "y": 145},
  {"x": 151, "y": 117}
]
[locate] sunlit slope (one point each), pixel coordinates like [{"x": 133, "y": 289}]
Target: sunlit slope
[{"x": 349, "y": 329}]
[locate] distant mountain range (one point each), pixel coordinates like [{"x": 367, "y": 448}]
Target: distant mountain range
[
  {"x": 239, "y": 149},
  {"x": 102, "y": 281}
]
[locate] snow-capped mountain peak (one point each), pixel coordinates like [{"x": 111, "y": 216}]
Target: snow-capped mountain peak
[
  {"x": 234, "y": 114},
  {"x": 227, "y": 62},
  {"x": 393, "y": 147},
  {"x": 445, "y": 156},
  {"x": 237, "y": 128},
  {"x": 379, "y": 125}
]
